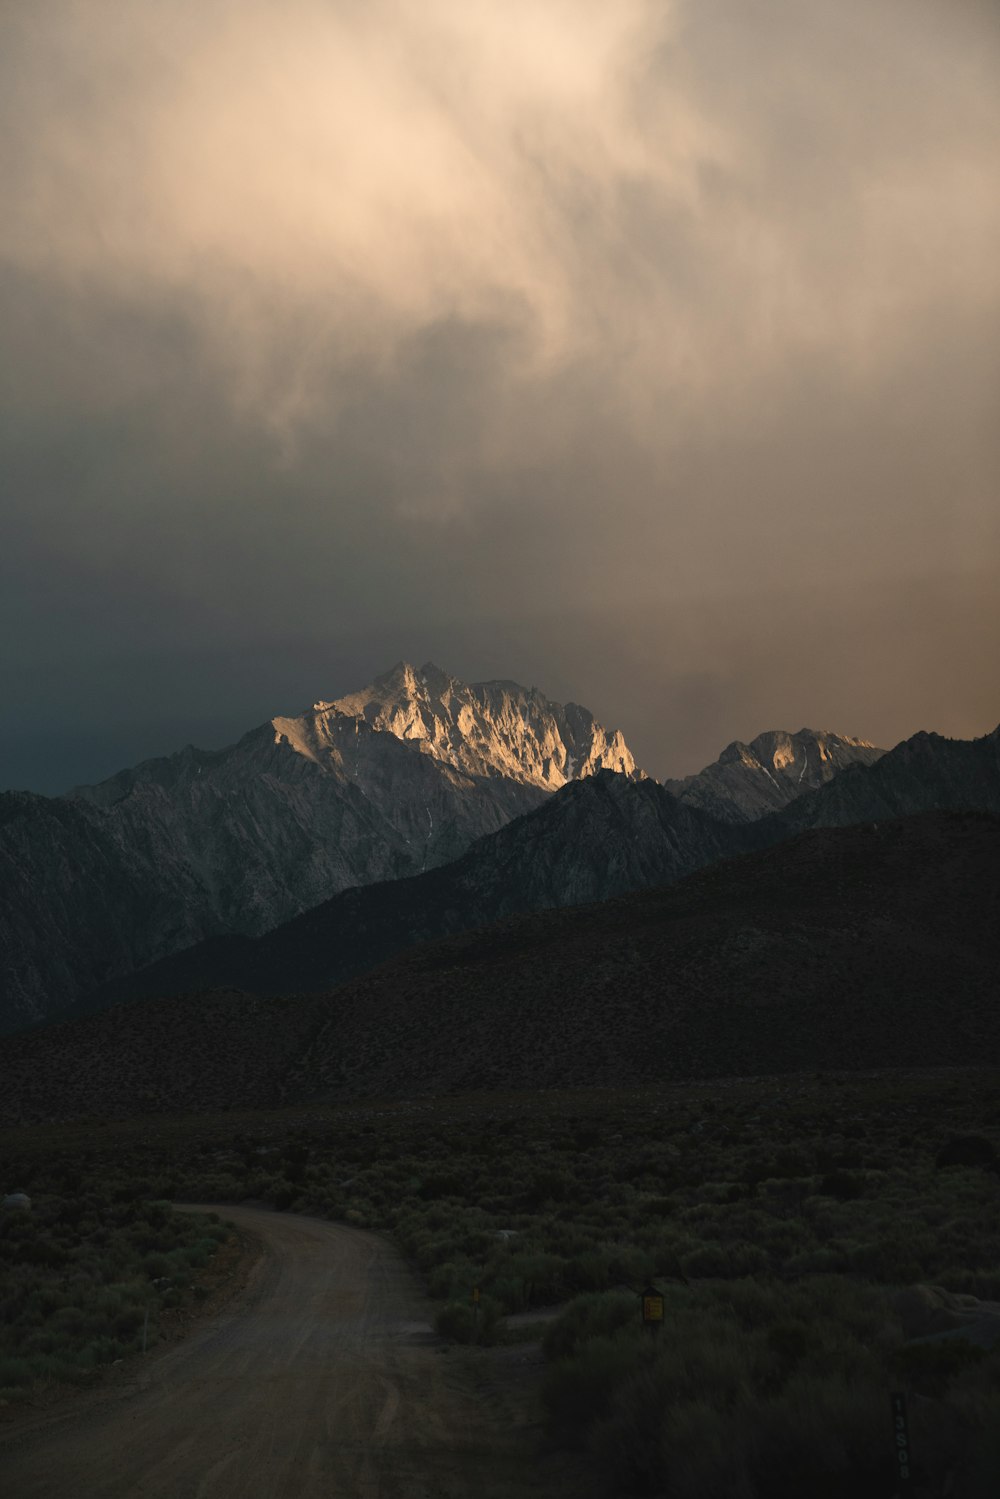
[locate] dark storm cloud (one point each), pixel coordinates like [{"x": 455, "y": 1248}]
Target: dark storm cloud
[{"x": 646, "y": 352}]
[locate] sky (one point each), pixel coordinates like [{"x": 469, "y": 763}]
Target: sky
[{"x": 646, "y": 353}]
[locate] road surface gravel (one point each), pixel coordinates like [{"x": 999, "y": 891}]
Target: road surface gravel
[{"x": 321, "y": 1379}]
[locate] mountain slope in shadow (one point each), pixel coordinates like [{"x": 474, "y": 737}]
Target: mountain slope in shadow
[
  {"x": 856, "y": 947},
  {"x": 593, "y": 840}
]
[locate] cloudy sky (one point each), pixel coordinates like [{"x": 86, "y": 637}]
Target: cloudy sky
[{"x": 646, "y": 352}]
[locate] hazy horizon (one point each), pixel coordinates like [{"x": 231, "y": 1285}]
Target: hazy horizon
[{"x": 647, "y": 354}]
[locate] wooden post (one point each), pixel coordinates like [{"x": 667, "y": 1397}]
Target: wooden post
[{"x": 901, "y": 1443}]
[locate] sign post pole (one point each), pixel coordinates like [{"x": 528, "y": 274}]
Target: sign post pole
[{"x": 901, "y": 1443}]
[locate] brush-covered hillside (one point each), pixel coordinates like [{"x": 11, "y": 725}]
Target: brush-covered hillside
[{"x": 850, "y": 948}]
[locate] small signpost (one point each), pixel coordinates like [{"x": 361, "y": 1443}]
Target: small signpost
[
  {"x": 901, "y": 1443},
  {"x": 652, "y": 1308}
]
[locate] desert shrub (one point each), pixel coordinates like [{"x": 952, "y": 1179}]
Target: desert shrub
[
  {"x": 14, "y": 1372},
  {"x": 823, "y": 1437},
  {"x": 660, "y": 1207},
  {"x": 931, "y": 1368},
  {"x": 442, "y": 1184},
  {"x": 982, "y": 1283},
  {"x": 708, "y": 1366},
  {"x": 730, "y": 1261},
  {"x": 448, "y": 1282},
  {"x": 589, "y": 1317},
  {"x": 430, "y": 1252},
  {"x": 967, "y": 1150},
  {"x": 791, "y": 1341},
  {"x": 578, "y": 1391},
  {"x": 545, "y": 1186},
  {"x": 509, "y": 1293},
  {"x": 216, "y": 1186},
  {"x": 454, "y": 1321},
  {"x": 888, "y": 1259},
  {"x": 541, "y": 1276},
  {"x": 846, "y": 1186},
  {"x": 741, "y": 1371},
  {"x": 690, "y": 1445},
  {"x": 824, "y": 1261},
  {"x": 589, "y": 1271},
  {"x": 82, "y": 1300},
  {"x": 711, "y": 1409},
  {"x": 978, "y": 1465},
  {"x": 461, "y": 1322},
  {"x": 629, "y": 1265}
]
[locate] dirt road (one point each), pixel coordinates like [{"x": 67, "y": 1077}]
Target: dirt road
[{"x": 322, "y": 1380}]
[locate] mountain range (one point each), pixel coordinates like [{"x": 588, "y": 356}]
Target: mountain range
[
  {"x": 592, "y": 841},
  {"x": 387, "y": 782},
  {"x": 323, "y": 844}
]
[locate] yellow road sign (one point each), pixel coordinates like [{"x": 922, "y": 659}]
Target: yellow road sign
[{"x": 652, "y": 1308}]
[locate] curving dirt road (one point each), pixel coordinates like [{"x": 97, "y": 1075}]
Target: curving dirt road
[{"x": 323, "y": 1380}]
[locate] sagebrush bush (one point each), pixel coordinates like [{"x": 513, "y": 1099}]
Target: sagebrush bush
[
  {"x": 80, "y": 1279},
  {"x": 578, "y": 1391},
  {"x": 589, "y": 1317},
  {"x": 462, "y": 1322}
]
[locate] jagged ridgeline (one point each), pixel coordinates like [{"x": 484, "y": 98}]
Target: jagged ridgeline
[
  {"x": 398, "y": 778},
  {"x": 750, "y": 780}
]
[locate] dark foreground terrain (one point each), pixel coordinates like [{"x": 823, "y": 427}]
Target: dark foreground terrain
[
  {"x": 322, "y": 1378},
  {"x": 870, "y": 946},
  {"x": 796, "y": 1226},
  {"x": 769, "y": 1092}
]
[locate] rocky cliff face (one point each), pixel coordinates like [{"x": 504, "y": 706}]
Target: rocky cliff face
[
  {"x": 749, "y": 781},
  {"x": 925, "y": 773},
  {"x": 593, "y": 840},
  {"x": 486, "y": 729},
  {"x": 393, "y": 780}
]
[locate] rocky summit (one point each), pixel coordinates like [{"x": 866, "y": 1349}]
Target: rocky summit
[
  {"x": 398, "y": 778},
  {"x": 483, "y": 729},
  {"x": 750, "y": 780}
]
